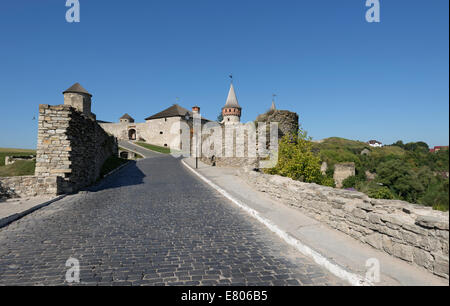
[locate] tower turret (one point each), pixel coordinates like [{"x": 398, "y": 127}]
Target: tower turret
[
  {"x": 79, "y": 98},
  {"x": 231, "y": 112}
]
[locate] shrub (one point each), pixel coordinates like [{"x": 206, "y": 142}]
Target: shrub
[
  {"x": 296, "y": 159},
  {"x": 328, "y": 181},
  {"x": 350, "y": 182},
  {"x": 381, "y": 193}
]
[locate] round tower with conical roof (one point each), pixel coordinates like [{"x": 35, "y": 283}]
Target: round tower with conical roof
[
  {"x": 231, "y": 112},
  {"x": 79, "y": 98}
]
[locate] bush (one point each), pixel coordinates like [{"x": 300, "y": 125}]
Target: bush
[
  {"x": 350, "y": 182},
  {"x": 381, "y": 193},
  {"x": 296, "y": 159},
  {"x": 328, "y": 181},
  {"x": 437, "y": 195}
]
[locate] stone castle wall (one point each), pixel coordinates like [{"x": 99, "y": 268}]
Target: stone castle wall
[
  {"x": 71, "y": 150},
  {"x": 71, "y": 145},
  {"x": 161, "y": 132},
  {"x": 287, "y": 121},
  {"x": 234, "y": 150},
  {"x": 27, "y": 186},
  {"x": 413, "y": 233}
]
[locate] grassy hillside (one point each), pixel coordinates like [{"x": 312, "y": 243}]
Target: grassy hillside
[
  {"x": 19, "y": 168},
  {"x": 402, "y": 171},
  {"x": 338, "y": 150}
]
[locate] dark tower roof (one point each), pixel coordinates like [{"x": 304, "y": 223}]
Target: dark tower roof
[
  {"x": 126, "y": 116},
  {"x": 77, "y": 88},
  {"x": 173, "y": 111}
]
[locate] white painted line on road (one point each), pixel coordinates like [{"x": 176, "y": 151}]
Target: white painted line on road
[{"x": 353, "y": 279}]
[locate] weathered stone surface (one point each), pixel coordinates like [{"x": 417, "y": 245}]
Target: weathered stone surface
[
  {"x": 27, "y": 186},
  {"x": 403, "y": 251},
  {"x": 343, "y": 171},
  {"x": 80, "y": 154},
  {"x": 423, "y": 258},
  {"x": 375, "y": 240},
  {"x": 432, "y": 222},
  {"x": 70, "y": 154},
  {"x": 404, "y": 230},
  {"x": 440, "y": 265}
]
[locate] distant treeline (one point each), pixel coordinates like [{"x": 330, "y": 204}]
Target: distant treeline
[{"x": 408, "y": 172}]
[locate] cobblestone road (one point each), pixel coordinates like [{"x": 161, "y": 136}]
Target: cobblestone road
[{"x": 152, "y": 223}]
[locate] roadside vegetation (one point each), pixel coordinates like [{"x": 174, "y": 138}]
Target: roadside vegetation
[
  {"x": 298, "y": 161},
  {"x": 19, "y": 168},
  {"x": 400, "y": 171},
  {"x": 159, "y": 149}
]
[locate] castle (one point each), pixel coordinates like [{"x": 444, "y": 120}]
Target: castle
[
  {"x": 230, "y": 147},
  {"x": 160, "y": 129}
]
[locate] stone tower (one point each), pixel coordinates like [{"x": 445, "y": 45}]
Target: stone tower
[
  {"x": 126, "y": 119},
  {"x": 79, "y": 98},
  {"x": 231, "y": 112}
]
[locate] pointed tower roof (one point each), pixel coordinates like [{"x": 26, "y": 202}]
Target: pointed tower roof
[
  {"x": 273, "y": 107},
  {"x": 232, "y": 99},
  {"x": 126, "y": 116},
  {"x": 77, "y": 88}
]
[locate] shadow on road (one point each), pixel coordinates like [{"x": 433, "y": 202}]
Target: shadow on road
[{"x": 128, "y": 176}]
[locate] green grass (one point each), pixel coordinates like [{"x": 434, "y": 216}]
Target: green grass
[
  {"x": 14, "y": 152},
  {"x": 112, "y": 163},
  {"x": 19, "y": 168},
  {"x": 159, "y": 149}
]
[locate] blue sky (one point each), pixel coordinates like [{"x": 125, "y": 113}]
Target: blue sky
[{"x": 343, "y": 76}]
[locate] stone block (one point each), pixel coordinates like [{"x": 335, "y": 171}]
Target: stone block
[{"x": 403, "y": 251}]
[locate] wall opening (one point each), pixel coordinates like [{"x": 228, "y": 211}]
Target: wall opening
[{"x": 132, "y": 134}]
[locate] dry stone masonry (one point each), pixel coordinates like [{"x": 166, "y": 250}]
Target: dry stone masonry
[
  {"x": 71, "y": 145},
  {"x": 27, "y": 186},
  {"x": 410, "y": 232},
  {"x": 72, "y": 148}
]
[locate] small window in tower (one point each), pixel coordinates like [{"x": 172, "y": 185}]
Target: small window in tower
[
  {"x": 165, "y": 119},
  {"x": 228, "y": 119},
  {"x": 165, "y": 144},
  {"x": 161, "y": 132}
]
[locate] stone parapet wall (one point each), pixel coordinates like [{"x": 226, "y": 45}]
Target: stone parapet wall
[
  {"x": 27, "y": 186},
  {"x": 71, "y": 145},
  {"x": 413, "y": 233}
]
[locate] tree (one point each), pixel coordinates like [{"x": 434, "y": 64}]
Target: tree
[
  {"x": 399, "y": 143},
  {"x": 296, "y": 159},
  {"x": 398, "y": 176}
]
